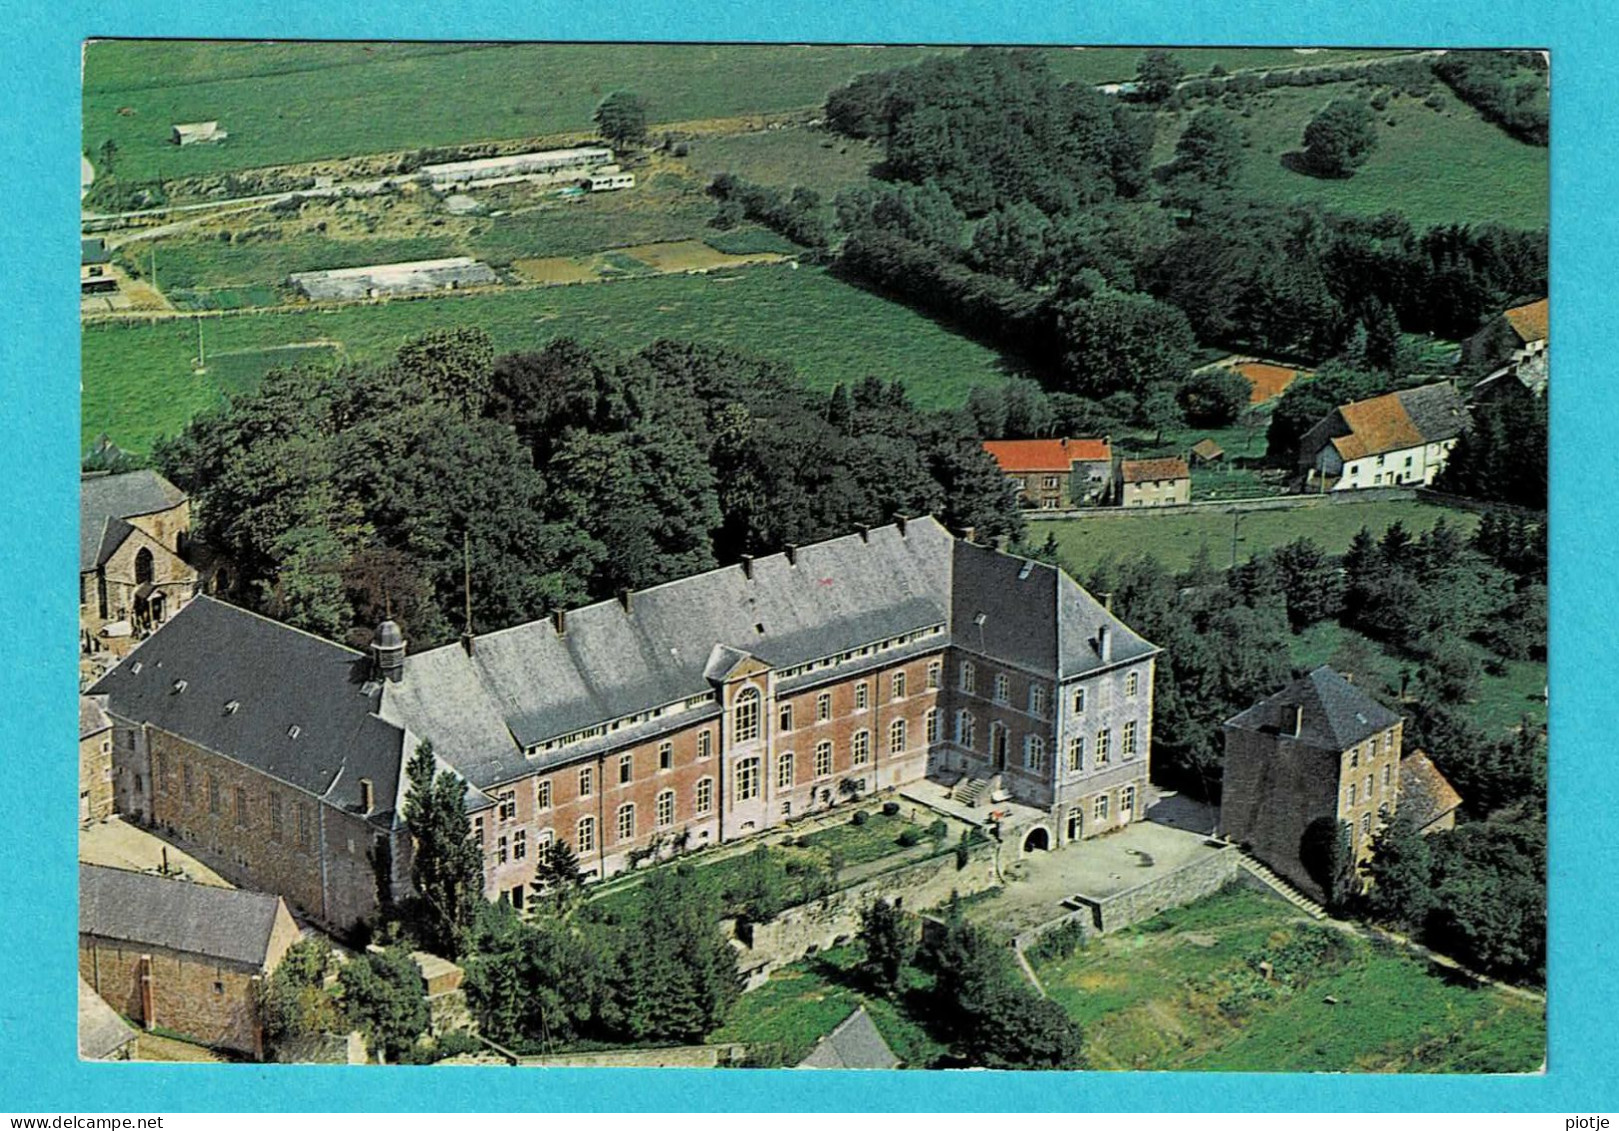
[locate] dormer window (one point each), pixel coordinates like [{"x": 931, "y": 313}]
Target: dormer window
[
  {"x": 294, "y": 731},
  {"x": 179, "y": 686},
  {"x": 233, "y": 706}
]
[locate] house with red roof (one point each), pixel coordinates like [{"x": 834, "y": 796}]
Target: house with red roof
[
  {"x": 1397, "y": 440},
  {"x": 1155, "y": 483},
  {"x": 1511, "y": 336},
  {"x": 1056, "y": 474}
]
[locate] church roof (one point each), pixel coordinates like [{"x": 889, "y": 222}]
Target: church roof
[
  {"x": 1337, "y": 714},
  {"x": 214, "y": 922},
  {"x": 106, "y": 500},
  {"x": 855, "y": 1043},
  {"x": 261, "y": 693}
]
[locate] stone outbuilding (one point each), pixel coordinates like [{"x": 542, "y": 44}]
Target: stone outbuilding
[
  {"x": 181, "y": 956},
  {"x": 133, "y": 534},
  {"x": 1426, "y": 796}
]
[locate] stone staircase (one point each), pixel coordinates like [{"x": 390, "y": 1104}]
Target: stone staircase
[
  {"x": 969, "y": 791},
  {"x": 1281, "y": 887}
]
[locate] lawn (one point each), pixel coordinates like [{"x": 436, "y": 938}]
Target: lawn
[
  {"x": 1437, "y": 166},
  {"x": 292, "y": 103},
  {"x": 138, "y": 384},
  {"x": 788, "y": 158},
  {"x": 1174, "y": 539},
  {"x": 1181, "y": 991},
  {"x": 781, "y": 1020}
]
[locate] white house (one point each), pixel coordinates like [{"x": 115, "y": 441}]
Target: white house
[{"x": 1397, "y": 440}]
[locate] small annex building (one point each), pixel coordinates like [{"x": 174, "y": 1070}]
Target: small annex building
[
  {"x": 133, "y": 532},
  {"x": 1056, "y": 474},
  {"x": 1318, "y": 753},
  {"x": 855, "y": 1043},
  {"x": 1154, "y": 483},
  {"x": 181, "y": 956},
  {"x": 1206, "y": 452},
  {"x": 1400, "y": 439},
  {"x": 1426, "y": 795}
]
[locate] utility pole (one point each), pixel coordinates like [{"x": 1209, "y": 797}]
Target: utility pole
[
  {"x": 202, "y": 360},
  {"x": 1236, "y": 517}
]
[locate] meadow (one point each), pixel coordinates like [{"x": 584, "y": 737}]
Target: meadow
[
  {"x": 139, "y": 384},
  {"x": 788, "y": 158},
  {"x": 1182, "y": 991},
  {"x": 1175, "y": 539},
  {"x": 1436, "y": 164}
]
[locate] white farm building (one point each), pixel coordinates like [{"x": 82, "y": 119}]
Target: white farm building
[
  {"x": 416, "y": 277},
  {"x": 549, "y": 164}
]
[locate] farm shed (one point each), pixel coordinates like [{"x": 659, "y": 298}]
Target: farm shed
[
  {"x": 190, "y": 133},
  {"x": 609, "y": 181},
  {"x": 394, "y": 278},
  {"x": 494, "y": 170}
]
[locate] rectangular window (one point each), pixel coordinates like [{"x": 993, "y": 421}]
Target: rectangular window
[
  {"x": 896, "y": 736},
  {"x": 966, "y": 725},
  {"x": 1387, "y": 775},
  {"x": 1076, "y": 754},
  {"x": 241, "y": 806},
  {"x": 185, "y": 775},
  {"x": 784, "y": 718},
  {"x": 666, "y": 755},
  {"x": 1369, "y": 785},
  {"x": 1351, "y": 794},
  {"x": 745, "y": 715},
  {"x": 1388, "y": 741},
  {"x": 747, "y": 779},
  {"x": 626, "y": 767},
  {"x": 1051, "y": 482},
  {"x": 666, "y": 808},
  {"x": 1132, "y": 684},
  {"x": 587, "y": 781},
  {"x": 969, "y": 679},
  {"x": 1037, "y": 700},
  {"x": 705, "y": 744},
  {"x": 303, "y": 825},
  {"x": 705, "y": 796},
  {"x": 542, "y": 794},
  {"x": 507, "y": 810},
  {"x": 861, "y": 691},
  {"x": 213, "y": 794},
  {"x": 1129, "y": 743},
  {"x": 1079, "y": 700},
  {"x": 1099, "y": 807},
  {"x": 519, "y": 844},
  {"x": 626, "y": 821},
  {"x": 1354, "y": 758},
  {"x": 934, "y": 671},
  {"x": 823, "y": 706},
  {"x": 1104, "y": 746},
  {"x": 861, "y": 749},
  {"x": 932, "y": 725},
  {"x": 501, "y": 851},
  {"x": 160, "y": 766},
  {"x": 899, "y": 685},
  {"x": 1127, "y": 801},
  {"x": 1365, "y": 824},
  {"x": 784, "y": 770},
  {"x": 823, "y": 759},
  {"x": 1034, "y": 753},
  {"x": 477, "y": 831},
  {"x": 1003, "y": 688},
  {"x": 586, "y": 837},
  {"x": 275, "y": 816}
]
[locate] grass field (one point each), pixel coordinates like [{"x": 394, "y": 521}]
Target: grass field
[
  {"x": 138, "y": 384},
  {"x": 1503, "y": 701},
  {"x": 1117, "y": 64},
  {"x": 1174, "y": 539},
  {"x": 788, "y": 158},
  {"x": 1181, "y": 992},
  {"x": 1439, "y": 166},
  {"x": 291, "y": 103}
]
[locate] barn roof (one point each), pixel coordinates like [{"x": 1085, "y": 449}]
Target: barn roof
[
  {"x": 219, "y": 923},
  {"x": 1336, "y": 716},
  {"x": 1531, "y": 322}
]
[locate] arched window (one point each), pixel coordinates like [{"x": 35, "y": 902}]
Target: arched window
[
  {"x": 626, "y": 821},
  {"x": 143, "y": 566},
  {"x": 896, "y": 736},
  {"x": 745, "y": 715}
]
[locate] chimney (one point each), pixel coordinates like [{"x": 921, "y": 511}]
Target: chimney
[
  {"x": 624, "y": 598},
  {"x": 865, "y": 533},
  {"x": 1104, "y": 644},
  {"x": 1107, "y": 601},
  {"x": 368, "y": 796},
  {"x": 747, "y": 566},
  {"x": 792, "y": 553},
  {"x": 899, "y": 524},
  {"x": 1296, "y": 723},
  {"x": 968, "y": 533},
  {"x": 559, "y": 621}
]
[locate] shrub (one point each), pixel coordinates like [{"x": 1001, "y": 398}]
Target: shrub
[
  {"x": 860, "y": 817},
  {"x": 938, "y": 830},
  {"x": 910, "y": 836},
  {"x": 891, "y": 808}
]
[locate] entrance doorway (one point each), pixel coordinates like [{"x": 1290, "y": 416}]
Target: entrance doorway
[{"x": 997, "y": 744}]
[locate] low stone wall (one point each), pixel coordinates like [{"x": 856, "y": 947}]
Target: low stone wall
[
  {"x": 1182, "y": 886},
  {"x": 1227, "y": 506},
  {"x": 824, "y": 922}
]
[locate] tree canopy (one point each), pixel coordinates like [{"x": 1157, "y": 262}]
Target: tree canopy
[
  {"x": 621, "y": 118},
  {"x": 1340, "y": 137}
]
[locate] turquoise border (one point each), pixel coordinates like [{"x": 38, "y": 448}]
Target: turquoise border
[{"x": 38, "y": 360}]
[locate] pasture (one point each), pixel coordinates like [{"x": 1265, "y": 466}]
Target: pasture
[
  {"x": 1182, "y": 991},
  {"x": 788, "y": 158},
  {"x": 138, "y": 381},
  {"x": 1175, "y": 539},
  {"x": 1443, "y": 165}
]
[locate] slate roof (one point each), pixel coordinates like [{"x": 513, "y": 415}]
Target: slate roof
[
  {"x": 1337, "y": 714},
  {"x": 101, "y": 1031},
  {"x": 855, "y": 1043},
  {"x": 1047, "y": 455},
  {"x": 92, "y": 719},
  {"x": 105, "y": 500},
  {"x": 1531, "y": 322},
  {"x": 1153, "y": 470},
  {"x": 1425, "y": 794},
  {"x": 93, "y": 250},
  {"x": 279, "y": 678},
  {"x": 1406, "y": 419},
  {"x": 219, "y": 923},
  {"x": 1206, "y": 449}
]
